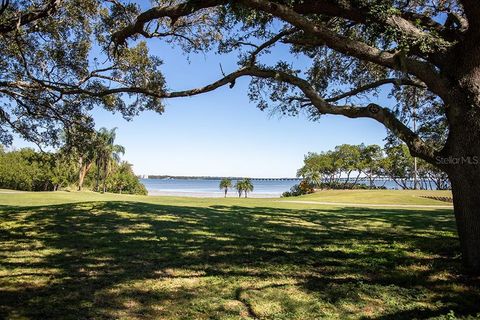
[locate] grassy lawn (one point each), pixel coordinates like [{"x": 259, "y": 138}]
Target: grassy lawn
[
  {"x": 403, "y": 197},
  {"x": 91, "y": 256}
]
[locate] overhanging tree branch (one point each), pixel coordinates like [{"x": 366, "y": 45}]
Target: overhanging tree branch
[
  {"x": 383, "y": 115},
  {"x": 321, "y": 35},
  {"x": 409, "y": 23},
  {"x": 173, "y": 12},
  {"x": 376, "y": 84},
  {"x": 272, "y": 41},
  {"x": 318, "y": 35},
  {"x": 29, "y": 16}
]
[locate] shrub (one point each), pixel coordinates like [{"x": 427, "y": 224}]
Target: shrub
[{"x": 299, "y": 189}]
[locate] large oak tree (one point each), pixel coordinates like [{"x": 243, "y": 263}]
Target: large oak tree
[{"x": 428, "y": 51}]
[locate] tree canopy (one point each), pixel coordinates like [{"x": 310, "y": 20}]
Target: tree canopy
[
  {"x": 56, "y": 67},
  {"x": 351, "y": 166},
  {"x": 354, "y": 48}
]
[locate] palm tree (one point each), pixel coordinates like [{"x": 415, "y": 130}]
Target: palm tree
[
  {"x": 247, "y": 186},
  {"x": 239, "y": 186},
  {"x": 225, "y": 184},
  {"x": 107, "y": 153},
  {"x": 313, "y": 178}
]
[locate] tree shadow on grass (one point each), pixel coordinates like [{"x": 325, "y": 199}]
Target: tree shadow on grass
[{"x": 140, "y": 260}]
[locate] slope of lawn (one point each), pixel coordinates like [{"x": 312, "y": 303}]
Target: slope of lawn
[
  {"x": 402, "y": 197},
  {"x": 91, "y": 256}
]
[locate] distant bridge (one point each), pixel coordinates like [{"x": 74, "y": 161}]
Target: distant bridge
[
  {"x": 164, "y": 177},
  {"x": 275, "y": 179},
  {"x": 363, "y": 179}
]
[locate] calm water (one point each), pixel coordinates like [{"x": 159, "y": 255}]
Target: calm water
[
  {"x": 209, "y": 188},
  {"x": 203, "y": 187}
]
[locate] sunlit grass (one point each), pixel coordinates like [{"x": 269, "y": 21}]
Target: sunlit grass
[
  {"x": 403, "y": 197},
  {"x": 91, "y": 256}
]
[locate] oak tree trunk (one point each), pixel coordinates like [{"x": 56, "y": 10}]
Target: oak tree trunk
[
  {"x": 460, "y": 157},
  {"x": 466, "y": 199},
  {"x": 462, "y": 163}
]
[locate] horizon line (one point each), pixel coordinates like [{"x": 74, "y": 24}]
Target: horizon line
[{"x": 160, "y": 176}]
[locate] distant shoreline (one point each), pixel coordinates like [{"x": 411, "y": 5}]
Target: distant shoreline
[
  {"x": 231, "y": 194},
  {"x": 166, "y": 177}
]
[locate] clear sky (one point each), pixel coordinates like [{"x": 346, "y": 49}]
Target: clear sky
[{"x": 222, "y": 133}]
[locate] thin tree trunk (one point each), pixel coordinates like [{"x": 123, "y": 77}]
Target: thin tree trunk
[
  {"x": 80, "y": 175},
  {"x": 97, "y": 178},
  {"x": 346, "y": 180},
  {"x": 83, "y": 173},
  {"x": 400, "y": 183},
  {"x": 356, "y": 179},
  {"x": 105, "y": 173}
]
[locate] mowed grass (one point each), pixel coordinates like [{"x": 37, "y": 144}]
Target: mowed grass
[
  {"x": 403, "y": 197},
  {"x": 92, "y": 256}
]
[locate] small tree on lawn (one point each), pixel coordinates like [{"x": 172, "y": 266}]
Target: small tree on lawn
[
  {"x": 225, "y": 184},
  {"x": 247, "y": 186},
  {"x": 239, "y": 187}
]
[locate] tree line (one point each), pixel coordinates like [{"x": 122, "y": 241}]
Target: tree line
[
  {"x": 358, "y": 166},
  {"x": 95, "y": 164}
]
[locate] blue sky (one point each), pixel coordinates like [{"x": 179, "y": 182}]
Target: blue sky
[{"x": 222, "y": 133}]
